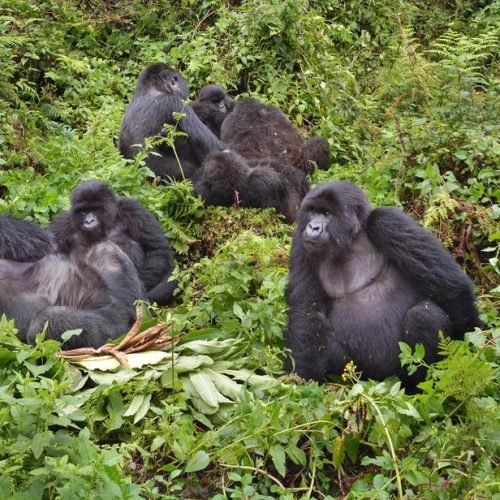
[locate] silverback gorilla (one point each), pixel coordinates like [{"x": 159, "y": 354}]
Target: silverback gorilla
[
  {"x": 97, "y": 214},
  {"x": 212, "y": 106},
  {"x": 93, "y": 288},
  {"x": 160, "y": 92},
  {"x": 229, "y": 179},
  {"x": 361, "y": 280},
  {"x": 256, "y": 130}
]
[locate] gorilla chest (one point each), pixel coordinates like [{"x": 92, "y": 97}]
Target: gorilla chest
[
  {"x": 354, "y": 272},
  {"x": 367, "y": 292}
]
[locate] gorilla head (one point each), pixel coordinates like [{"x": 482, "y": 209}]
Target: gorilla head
[
  {"x": 331, "y": 217},
  {"x": 93, "y": 210},
  {"x": 212, "y": 106},
  {"x": 223, "y": 175},
  {"x": 317, "y": 150},
  {"x": 163, "y": 79}
]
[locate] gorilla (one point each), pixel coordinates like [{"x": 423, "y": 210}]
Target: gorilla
[
  {"x": 228, "y": 178},
  {"x": 212, "y": 106},
  {"x": 23, "y": 241},
  {"x": 160, "y": 92},
  {"x": 97, "y": 214},
  {"x": 256, "y": 130},
  {"x": 361, "y": 280},
  {"x": 92, "y": 289}
]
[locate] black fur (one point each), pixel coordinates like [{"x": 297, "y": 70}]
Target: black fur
[
  {"x": 93, "y": 289},
  {"x": 229, "y": 179},
  {"x": 125, "y": 222},
  {"x": 160, "y": 92},
  {"x": 362, "y": 280},
  {"x": 23, "y": 241},
  {"x": 212, "y": 106},
  {"x": 255, "y": 131}
]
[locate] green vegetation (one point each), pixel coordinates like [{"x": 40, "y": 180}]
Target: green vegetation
[{"x": 406, "y": 91}]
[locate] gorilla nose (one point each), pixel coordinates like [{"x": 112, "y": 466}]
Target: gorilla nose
[
  {"x": 89, "y": 221},
  {"x": 315, "y": 229}
]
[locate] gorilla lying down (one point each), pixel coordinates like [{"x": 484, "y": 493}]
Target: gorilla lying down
[
  {"x": 259, "y": 131},
  {"x": 110, "y": 252},
  {"x": 93, "y": 289},
  {"x": 228, "y": 179},
  {"x": 361, "y": 280}
]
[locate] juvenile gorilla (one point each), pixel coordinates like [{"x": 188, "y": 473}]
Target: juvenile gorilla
[
  {"x": 97, "y": 214},
  {"x": 93, "y": 289},
  {"x": 255, "y": 131},
  {"x": 160, "y": 92},
  {"x": 212, "y": 106},
  {"x": 362, "y": 280},
  {"x": 228, "y": 179}
]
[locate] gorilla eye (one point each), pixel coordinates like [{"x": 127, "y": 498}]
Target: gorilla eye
[{"x": 222, "y": 107}]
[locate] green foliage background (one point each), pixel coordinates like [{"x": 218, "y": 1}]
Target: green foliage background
[{"x": 406, "y": 91}]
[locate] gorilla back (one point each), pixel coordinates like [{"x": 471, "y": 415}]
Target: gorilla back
[
  {"x": 363, "y": 280},
  {"x": 160, "y": 92},
  {"x": 256, "y": 130}
]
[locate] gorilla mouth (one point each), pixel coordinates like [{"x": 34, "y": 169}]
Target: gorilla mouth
[{"x": 313, "y": 243}]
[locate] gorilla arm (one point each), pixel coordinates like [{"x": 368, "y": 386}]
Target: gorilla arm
[
  {"x": 157, "y": 266},
  {"x": 23, "y": 241},
  {"x": 308, "y": 334},
  {"x": 421, "y": 260},
  {"x": 198, "y": 133},
  {"x": 63, "y": 232}
]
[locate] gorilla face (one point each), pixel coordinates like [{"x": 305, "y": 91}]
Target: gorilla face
[
  {"x": 330, "y": 218},
  {"x": 212, "y": 106},
  {"x": 93, "y": 210},
  {"x": 164, "y": 79}
]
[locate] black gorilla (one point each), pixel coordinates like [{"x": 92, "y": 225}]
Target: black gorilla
[
  {"x": 92, "y": 289},
  {"x": 212, "y": 106},
  {"x": 97, "y": 214},
  {"x": 362, "y": 280},
  {"x": 256, "y": 130},
  {"x": 160, "y": 92},
  {"x": 23, "y": 241},
  {"x": 229, "y": 179}
]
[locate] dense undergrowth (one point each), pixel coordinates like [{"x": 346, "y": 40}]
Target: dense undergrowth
[{"x": 406, "y": 91}]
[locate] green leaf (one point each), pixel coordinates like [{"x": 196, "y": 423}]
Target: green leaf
[
  {"x": 135, "y": 405},
  {"x": 277, "y": 453},
  {"x": 38, "y": 443},
  {"x": 238, "y": 311},
  {"x": 225, "y": 385},
  {"x": 198, "y": 462},
  {"x": 71, "y": 333},
  {"x": 205, "y": 387},
  {"x": 191, "y": 363},
  {"x": 143, "y": 409}
]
